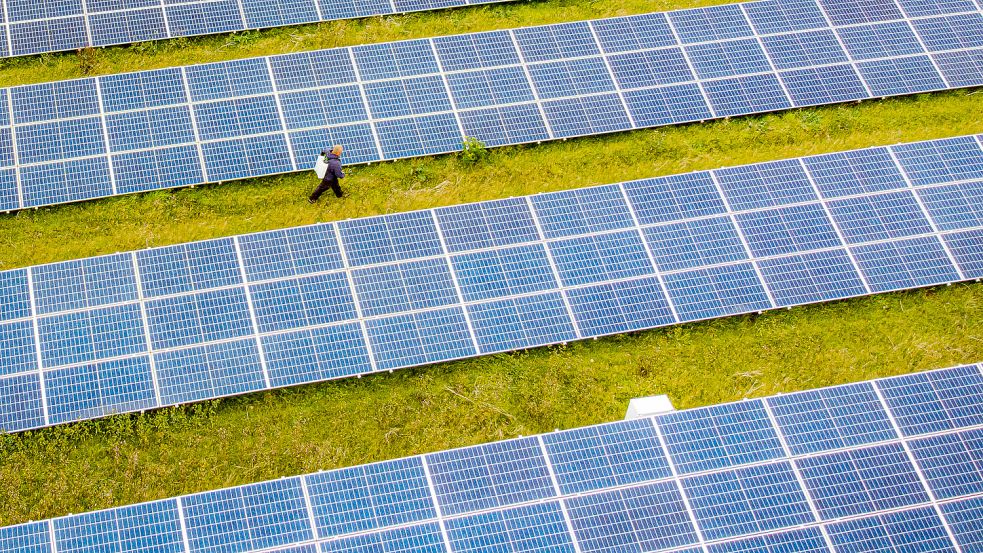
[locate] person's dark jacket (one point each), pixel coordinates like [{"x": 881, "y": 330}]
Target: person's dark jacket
[{"x": 334, "y": 171}]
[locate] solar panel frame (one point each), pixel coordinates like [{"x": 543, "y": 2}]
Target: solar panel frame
[
  {"x": 283, "y": 142},
  {"x": 203, "y": 315},
  {"x": 651, "y": 511}
]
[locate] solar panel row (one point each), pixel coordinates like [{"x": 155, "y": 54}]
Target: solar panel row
[
  {"x": 894, "y": 464},
  {"x": 172, "y": 325},
  {"x": 35, "y": 27},
  {"x": 75, "y": 140}
]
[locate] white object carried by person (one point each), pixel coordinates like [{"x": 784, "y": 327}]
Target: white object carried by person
[{"x": 321, "y": 166}]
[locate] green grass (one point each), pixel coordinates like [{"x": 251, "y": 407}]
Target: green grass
[{"x": 125, "y": 459}]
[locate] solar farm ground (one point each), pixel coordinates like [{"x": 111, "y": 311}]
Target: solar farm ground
[{"x": 123, "y": 460}]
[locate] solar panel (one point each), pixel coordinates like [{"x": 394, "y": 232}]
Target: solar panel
[
  {"x": 164, "y": 326},
  {"x": 50, "y": 26},
  {"x": 97, "y": 137},
  {"x": 885, "y": 465}
]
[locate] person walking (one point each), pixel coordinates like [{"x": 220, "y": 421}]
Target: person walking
[{"x": 331, "y": 175}]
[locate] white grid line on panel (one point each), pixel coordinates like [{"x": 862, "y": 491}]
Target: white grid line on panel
[
  {"x": 648, "y": 251},
  {"x": 740, "y": 233},
  {"x": 914, "y": 463},
  {"x": 10, "y": 38},
  {"x": 167, "y": 20},
  {"x": 317, "y": 10},
  {"x": 556, "y": 272},
  {"x": 692, "y": 68},
  {"x": 849, "y": 57},
  {"x": 795, "y": 470},
  {"x": 614, "y": 78},
  {"x": 355, "y": 298},
  {"x": 242, "y": 14},
  {"x": 279, "y": 112},
  {"x": 309, "y": 506},
  {"x": 146, "y": 326},
  {"x": 561, "y": 498},
  {"x": 921, "y": 43},
  {"x": 252, "y": 312},
  {"x": 836, "y": 226},
  {"x": 679, "y": 485},
  {"x": 52, "y": 536},
  {"x": 184, "y": 525},
  {"x": 105, "y": 136},
  {"x": 194, "y": 124},
  {"x": 365, "y": 106},
  {"x": 436, "y": 504},
  {"x": 921, "y": 205},
  {"x": 771, "y": 62},
  {"x": 392, "y": 6},
  {"x": 13, "y": 141},
  {"x": 532, "y": 87},
  {"x": 447, "y": 89},
  {"x": 457, "y": 285},
  {"x": 88, "y": 26},
  {"x": 37, "y": 343}
]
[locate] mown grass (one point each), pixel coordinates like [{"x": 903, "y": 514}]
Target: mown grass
[{"x": 127, "y": 459}]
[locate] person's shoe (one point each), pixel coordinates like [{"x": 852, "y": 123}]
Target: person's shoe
[{"x": 311, "y": 201}]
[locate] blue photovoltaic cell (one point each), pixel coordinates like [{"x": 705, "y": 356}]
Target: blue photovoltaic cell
[
  {"x": 855, "y": 172},
  {"x": 946, "y": 33},
  {"x": 720, "y": 436},
  {"x": 423, "y": 538},
  {"x": 582, "y": 211},
  {"x": 506, "y": 272},
  {"x": 83, "y": 336},
  {"x": 317, "y": 354},
  {"x": 309, "y": 301},
  {"x": 811, "y": 277},
  {"x": 14, "y": 295},
  {"x": 291, "y": 252},
  {"x": 690, "y": 244},
  {"x": 620, "y": 307},
  {"x": 672, "y": 104},
  {"x": 714, "y": 23},
  {"x": 675, "y": 197},
  {"x": 830, "y": 84},
  {"x": 487, "y": 224},
  {"x": 534, "y": 528},
  {"x": 523, "y": 322},
  {"x": 747, "y": 501},
  {"x": 765, "y": 185},
  {"x": 396, "y": 59},
  {"x": 919, "y": 8},
  {"x": 900, "y": 76},
  {"x": 419, "y": 338},
  {"x": 806, "y": 540},
  {"x": 586, "y": 115},
  {"x": 881, "y": 40},
  {"x": 850, "y": 12},
  {"x": 475, "y": 51},
  {"x": 97, "y": 390},
  {"x": 222, "y": 369},
  {"x": 566, "y": 40},
  {"x": 955, "y": 206},
  {"x": 622, "y": 34},
  {"x": 947, "y": 160},
  {"x": 150, "y": 527},
  {"x": 21, "y": 406},
  {"x": 596, "y": 457},
  {"x": 795, "y": 51},
  {"x": 389, "y": 238},
  {"x": 881, "y": 217},
  {"x": 651, "y": 68},
  {"x": 967, "y": 249},
  {"x": 371, "y": 497},
  {"x": 598, "y": 258},
  {"x": 931, "y": 402},
  {"x": 33, "y": 537},
  {"x": 247, "y": 518},
  {"x": 904, "y": 264},
  {"x": 914, "y": 530},
  {"x": 743, "y": 95},
  {"x": 651, "y": 517},
  {"x": 488, "y": 476},
  {"x": 831, "y": 418},
  {"x": 952, "y": 463},
  {"x": 713, "y": 292},
  {"x": 205, "y": 317},
  {"x": 964, "y": 518},
  {"x": 728, "y": 59},
  {"x": 408, "y": 286},
  {"x": 86, "y": 283},
  {"x": 188, "y": 267},
  {"x": 961, "y": 68},
  {"x": 861, "y": 481},
  {"x": 19, "y": 354}
]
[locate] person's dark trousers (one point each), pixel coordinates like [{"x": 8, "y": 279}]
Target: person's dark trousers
[{"x": 327, "y": 183}]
